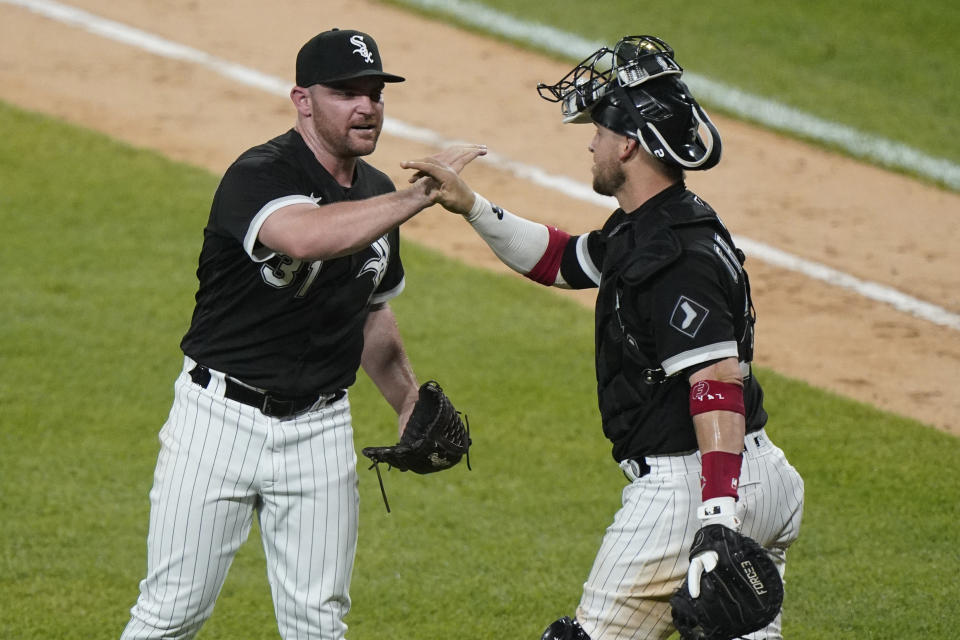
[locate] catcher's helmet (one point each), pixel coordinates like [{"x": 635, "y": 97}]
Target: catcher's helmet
[{"x": 635, "y": 90}]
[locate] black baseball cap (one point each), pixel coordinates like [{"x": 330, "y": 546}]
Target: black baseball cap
[{"x": 338, "y": 55}]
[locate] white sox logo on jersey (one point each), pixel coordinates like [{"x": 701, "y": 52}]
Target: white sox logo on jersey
[
  {"x": 377, "y": 265},
  {"x": 688, "y": 316},
  {"x": 361, "y": 48}
]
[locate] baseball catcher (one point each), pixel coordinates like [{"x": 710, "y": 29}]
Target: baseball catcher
[
  {"x": 733, "y": 587},
  {"x": 435, "y": 438},
  {"x": 674, "y": 343}
]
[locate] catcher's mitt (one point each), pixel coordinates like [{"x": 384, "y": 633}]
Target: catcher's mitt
[
  {"x": 434, "y": 439},
  {"x": 742, "y": 594}
]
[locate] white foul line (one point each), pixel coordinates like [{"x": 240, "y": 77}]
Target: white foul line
[{"x": 154, "y": 44}]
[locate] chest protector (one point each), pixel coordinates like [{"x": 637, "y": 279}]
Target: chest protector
[{"x": 644, "y": 411}]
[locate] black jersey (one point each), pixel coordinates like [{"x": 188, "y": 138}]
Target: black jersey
[
  {"x": 673, "y": 298},
  {"x": 274, "y": 322}
]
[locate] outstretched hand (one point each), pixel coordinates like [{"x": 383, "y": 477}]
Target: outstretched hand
[
  {"x": 457, "y": 157},
  {"x": 444, "y": 185}
]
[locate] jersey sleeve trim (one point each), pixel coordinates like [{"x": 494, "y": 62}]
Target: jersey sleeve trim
[
  {"x": 262, "y": 253},
  {"x": 586, "y": 262},
  {"x": 693, "y": 357},
  {"x": 385, "y": 296}
]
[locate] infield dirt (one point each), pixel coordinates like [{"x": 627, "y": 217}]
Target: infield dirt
[{"x": 861, "y": 220}]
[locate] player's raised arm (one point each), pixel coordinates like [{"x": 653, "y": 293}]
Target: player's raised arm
[{"x": 307, "y": 231}]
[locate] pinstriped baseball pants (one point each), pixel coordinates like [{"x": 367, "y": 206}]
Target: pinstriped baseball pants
[
  {"x": 220, "y": 463},
  {"x": 643, "y": 557}
]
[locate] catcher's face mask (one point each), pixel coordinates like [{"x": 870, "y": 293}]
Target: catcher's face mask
[
  {"x": 580, "y": 90},
  {"x": 635, "y": 90}
]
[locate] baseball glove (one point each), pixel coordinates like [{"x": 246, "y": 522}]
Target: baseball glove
[
  {"x": 742, "y": 594},
  {"x": 434, "y": 439}
]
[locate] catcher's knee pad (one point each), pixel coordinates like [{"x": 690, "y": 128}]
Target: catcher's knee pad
[{"x": 565, "y": 628}]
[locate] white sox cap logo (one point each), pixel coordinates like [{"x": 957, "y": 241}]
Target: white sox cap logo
[{"x": 361, "y": 48}]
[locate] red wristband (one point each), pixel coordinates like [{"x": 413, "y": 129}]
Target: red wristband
[
  {"x": 713, "y": 395},
  {"x": 720, "y": 475}
]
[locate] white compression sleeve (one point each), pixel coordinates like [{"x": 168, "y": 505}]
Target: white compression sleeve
[{"x": 518, "y": 242}]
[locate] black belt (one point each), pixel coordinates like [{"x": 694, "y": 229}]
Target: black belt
[{"x": 269, "y": 404}]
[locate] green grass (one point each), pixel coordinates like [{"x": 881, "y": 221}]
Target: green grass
[
  {"x": 96, "y": 286},
  {"x": 888, "y": 69}
]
